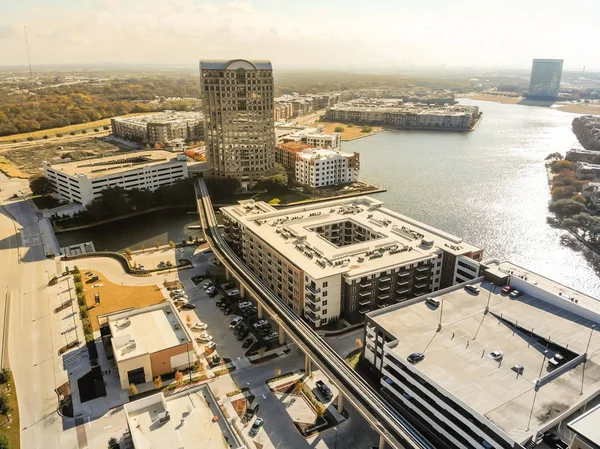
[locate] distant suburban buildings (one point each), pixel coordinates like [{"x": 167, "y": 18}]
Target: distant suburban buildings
[
  {"x": 239, "y": 126},
  {"x": 487, "y": 368},
  {"x": 394, "y": 113},
  {"x": 315, "y": 137},
  {"x": 82, "y": 181},
  {"x": 344, "y": 258},
  {"x": 323, "y": 167},
  {"x": 148, "y": 342},
  {"x": 544, "y": 83},
  {"x": 587, "y": 130},
  {"x": 160, "y": 128},
  {"x": 296, "y": 105}
]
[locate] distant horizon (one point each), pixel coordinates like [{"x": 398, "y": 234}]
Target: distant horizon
[{"x": 345, "y": 35}]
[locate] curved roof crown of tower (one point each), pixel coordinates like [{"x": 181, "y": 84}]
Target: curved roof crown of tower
[{"x": 235, "y": 64}]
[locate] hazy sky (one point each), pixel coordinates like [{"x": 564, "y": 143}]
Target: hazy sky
[{"x": 330, "y": 34}]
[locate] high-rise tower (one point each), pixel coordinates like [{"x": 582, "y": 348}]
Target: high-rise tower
[
  {"x": 545, "y": 78},
  {"x": 239, "y": 131}
]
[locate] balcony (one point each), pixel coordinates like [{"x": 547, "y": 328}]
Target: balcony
[
  {"x": 421, "y": 269},
  {"x": 421, "y": 277},
  {"x": 402, "y": 291},
  {"x": 383, "y": 297},
  {"x": 312, "y": 298},
  {"x": 365, "y": 293},
  {"x": 365, "y": 285},
  {"x": 312, "y": 307},
  {"x": 384, "y": 288},
  {"x": 402, "y": 284},
  {"x": 364, "y": 309},
  {"x": 364, "y": 301},
  {"x": 385, "y": 279},
  {"x": 404, "y": 274},
  {"x": 421, "y": 285},
  {"x": 312, "y": 289},
  {"x": 311, "y": 316}
]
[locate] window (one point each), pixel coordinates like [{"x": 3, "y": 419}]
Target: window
[
  {"x": 324, "y": 294},
  {"x": 324, "y": 312},
  {"x": 324, "y": 302},
  {"x": 324, "y": 284}
]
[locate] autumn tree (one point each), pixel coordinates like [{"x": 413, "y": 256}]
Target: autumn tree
[
  {"x": 157, "y": 382},
  {"x": 178, "y": 376},
  {"x": 132, "y": 390}
]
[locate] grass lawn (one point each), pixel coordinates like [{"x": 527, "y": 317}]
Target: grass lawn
[
  {"x": 11, "y": 170},
  {"x": 46, "y": 202},
  {"x": 284, "y": 197},
  {"x": 11, "y": 429},
  {"x": 65, "y": 130},
  {"x": 353, "y": 358},
  {"x": 114, "y": 297},
  {"x": 350, "y": 131}
]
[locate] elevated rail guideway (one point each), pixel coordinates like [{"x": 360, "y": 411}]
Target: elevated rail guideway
[{"x": 393, "y": 429}]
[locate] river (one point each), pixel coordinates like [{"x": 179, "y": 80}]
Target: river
[{"x": 488, "y": 186}]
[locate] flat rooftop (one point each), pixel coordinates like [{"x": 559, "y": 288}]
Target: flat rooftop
[
  {"x": 146, "y": 330},
  {"x": 587, "y": 426},
  {"x": 320, "y": 153},
  {"x": 457, "y": 357},
  {"x": 198, "y": 429},
  {"x": 163, "y": 117},
  {"x": 293, "y": 232},
  {"x": 105, "y": 166}
]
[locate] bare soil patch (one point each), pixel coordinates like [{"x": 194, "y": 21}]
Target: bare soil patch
[
  {"x": 350, "y": 132},
  {"x": 115, "y": 297}
]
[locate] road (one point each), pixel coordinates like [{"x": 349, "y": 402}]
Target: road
[{"x": 32, "y": 344}]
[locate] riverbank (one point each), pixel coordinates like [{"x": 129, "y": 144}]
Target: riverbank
[{"x": 493, "y": 98}]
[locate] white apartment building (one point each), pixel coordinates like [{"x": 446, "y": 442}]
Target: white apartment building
[
  {"x": 82, "y": 181},
  {"x": 160, "y": 127},
  {"x": 486, "y": 379},
  {"x": 319, "y": 167},
  {"x": 343, "y": 258},
  {"x": 315, "y": 137}
]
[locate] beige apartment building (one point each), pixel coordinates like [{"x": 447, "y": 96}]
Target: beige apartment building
[
  {"x": 320, "y": 167},
  {"x": 344, "y": 258},
  {"x": 239, "y": 126},
  {"x": 148, "y": 342},
  {"x": 160, "y": 128}
]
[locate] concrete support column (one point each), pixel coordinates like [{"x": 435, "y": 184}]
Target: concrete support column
[
  {"x": 340, "y": 407},
  {"x": 242, "y": 291},
  {"x": 227, "y": 274},
  {"x": 260, "y": 310},
  {"x": 281, "y": 335},
  {"x": 307, "y": 365},
  {"x": 381, "y": 442}
]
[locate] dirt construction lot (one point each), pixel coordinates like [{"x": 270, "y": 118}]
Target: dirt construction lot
[
  {"x": 350, "y": 132},
  {"x": 114, "y": 297}
]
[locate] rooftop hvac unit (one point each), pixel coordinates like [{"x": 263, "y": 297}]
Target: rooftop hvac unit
[{"x": 131, "y": 344}]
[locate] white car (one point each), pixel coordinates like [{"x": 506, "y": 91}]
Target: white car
[
  {"x": 210, "y": 290},
  {"x": 178, "y": 291},
  {"x": 237, "y": 320},
  {"x": 206, "y": 285},
  {"x": 496, "y": 355},
  {"x": 204, "y": 337},
  {"x": 199, "y": 326},
  {"x": 233, "y": 292}
]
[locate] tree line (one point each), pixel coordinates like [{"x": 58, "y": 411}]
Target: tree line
[{"x": 23, "y": 111}]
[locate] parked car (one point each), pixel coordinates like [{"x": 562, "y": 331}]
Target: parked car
[
  {"x": 88, "y": 273},
  {"x": 177, "y": 291},
  {"x": 472, "y": 288},
  {"x": 260, "y": 323},
  {"x": 249, "y": 311},
  {"x": 228, "y": 285},
  {"x": 415, "y": 357},
  {"x": 199, "y": 326},
  {"x": 518, "y": 369},
  {"x": 507, "y": 289},
  {"x": 204, "y": 337},
  {"x": 556, "y": 361},
  {"x": 324, "y": 389},
  {"x": 223, "y": 306},
  {"x": 516, "y": 293},
  {"x": 141, "y": 266},
  {"x": 237, "y": 320},
  {"x": 432, "y": 301},
  {"x": 243, "y": 334},
  {"x": 211, "y": 289},
  {"x": 251, "y": 411},
  {"x": 227, "y": 311},
  {"x": 161, "y": 264},
  {"x": 169, "y": 263},
  {"x": 245, "y": 304},
  {"x": 188, "y": 305},
  {"x": 496, "y": 355},
  {"x": 264, "y": 331},
  {"x": 248, "y": 343},
  {"x": 239, "y": 329},
  {"x": 233, "y": 292},
  {"x": 258, "y": 423},
  {"x": 271, "y": 336},
  {"x": 206, "y": 285},
  {"x": 219, "y": 303}
]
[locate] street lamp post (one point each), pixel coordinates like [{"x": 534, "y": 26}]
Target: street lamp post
[
  {"x": 492, "y": 286},
  {"x": 586, "y": 356},
  {"x": 536, "y": 388}
]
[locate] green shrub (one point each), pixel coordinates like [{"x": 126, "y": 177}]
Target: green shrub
[
  {"x": 44, "y": 136},
  {"x": 84, "y": 131},
  {"x": 78, "y": 287},
  {"x": 96, "y": 130},
  {"x": 339, "y": 129},
  {"x": 30, "y": 138},
  {"x": 275, "y": 201},
  {"x": 72, "y": 133},
  {"x": 366, "y": 129},
  {"x": 59, "y": 135},
  {"x": 77, "y": 277},
  {"x": 106, "y": 127}
]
